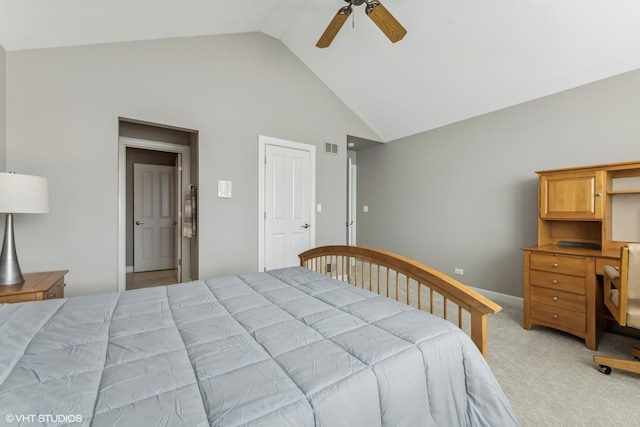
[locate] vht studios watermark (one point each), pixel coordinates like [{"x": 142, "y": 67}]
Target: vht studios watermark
[{"x": 42, "y": 418}]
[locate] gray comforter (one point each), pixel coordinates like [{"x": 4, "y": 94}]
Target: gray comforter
[{"x": 285, "y": 348}]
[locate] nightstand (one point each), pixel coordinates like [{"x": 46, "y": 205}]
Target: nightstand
[{"x": 36, "y": 287}]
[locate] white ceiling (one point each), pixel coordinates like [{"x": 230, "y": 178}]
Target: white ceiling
[{"x": 460, "y": 58}]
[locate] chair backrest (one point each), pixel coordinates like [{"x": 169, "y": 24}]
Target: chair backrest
[
  {"x": 633, "y": 287},
  {"x": 622, "y": 287}
]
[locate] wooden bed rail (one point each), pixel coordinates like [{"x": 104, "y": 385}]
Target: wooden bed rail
[{"x": 406, "y": 280}]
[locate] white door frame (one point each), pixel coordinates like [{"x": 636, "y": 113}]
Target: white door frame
[
  {"x": 263, "y": 141},
  {"x": 352, "y": 202},
  {"x": 123, "y": 144},
  {"x": 179, "y": 207}
]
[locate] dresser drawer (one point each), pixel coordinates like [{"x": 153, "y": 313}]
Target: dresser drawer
[
  {"x": 561, "y": 282},
  {"x": 554, "y": 298},
  {"x": 558, "y": 318},
  {"x": 18, "y": 298},
  {"x": 564, "y": 264}
]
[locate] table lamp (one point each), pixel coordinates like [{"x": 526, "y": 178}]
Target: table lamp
[{"x": 18, "y": 194}]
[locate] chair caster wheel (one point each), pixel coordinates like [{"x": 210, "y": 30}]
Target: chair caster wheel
[{"x": 604, "y": 369}]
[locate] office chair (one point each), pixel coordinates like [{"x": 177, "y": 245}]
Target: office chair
[{"x": 622, "y": 298}]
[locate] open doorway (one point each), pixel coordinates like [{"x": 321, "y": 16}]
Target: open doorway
[
  {"x": 157, "y": 168},
  {"x": 352, "y": 198},
  {"x": 354, "y": 145},
  {"x": 153, "y": 217}
]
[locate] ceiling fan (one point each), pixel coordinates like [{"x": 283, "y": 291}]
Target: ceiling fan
[{"x": 375, "y": 10}]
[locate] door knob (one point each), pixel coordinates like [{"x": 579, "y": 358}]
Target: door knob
[
  {"x": 139, "y": 223},
  {"x": 305, "y": 226}
]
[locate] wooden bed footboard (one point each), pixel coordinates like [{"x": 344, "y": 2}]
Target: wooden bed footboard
[{"x": 407, "y": 281}]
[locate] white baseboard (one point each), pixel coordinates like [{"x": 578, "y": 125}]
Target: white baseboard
[
  {"x": 129, "y": 268},
  {"x": 500, "y": 298}
]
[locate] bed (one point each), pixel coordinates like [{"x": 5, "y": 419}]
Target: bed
[{"x": 288, "y": 347}]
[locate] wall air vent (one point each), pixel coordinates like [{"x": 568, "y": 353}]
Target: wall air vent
[{"x": 330, "y": 148}]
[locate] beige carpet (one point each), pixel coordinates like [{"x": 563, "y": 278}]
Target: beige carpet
[{"x": 550, "y": 379}]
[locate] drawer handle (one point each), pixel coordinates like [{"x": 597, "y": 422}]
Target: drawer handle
[
  {"x": 51, "y": 295},
  {"x": 555, "y": 297},
  {"x": 555, "y": 316},
  {"x": 554, "y": 282},
  {"x": 555, "y": 265}
]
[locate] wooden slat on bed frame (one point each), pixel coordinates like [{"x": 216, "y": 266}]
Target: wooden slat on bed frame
[{"x": 407, "y": 281}]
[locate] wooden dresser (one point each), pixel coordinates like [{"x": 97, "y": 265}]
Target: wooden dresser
[
  {"x": 562, "y": 290},
  {"x": 584, "y": 216},
  {"x": 36, "y": 287}
]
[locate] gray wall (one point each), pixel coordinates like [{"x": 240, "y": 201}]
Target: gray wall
[
  {"x": 3, "y": 111},
  {"x": 62, "y": 123},
  {"x": 465, "y": 195}
]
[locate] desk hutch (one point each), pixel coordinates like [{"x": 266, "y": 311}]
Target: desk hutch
[{"x": 585, "y": 215}]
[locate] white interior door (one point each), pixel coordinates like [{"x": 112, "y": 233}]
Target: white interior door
[
  {"x": 288, "y": 193},
  {"x": 154, "y": 229}
]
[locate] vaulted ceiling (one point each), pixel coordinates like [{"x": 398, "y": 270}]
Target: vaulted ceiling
[{"x": 460, "y": 58}]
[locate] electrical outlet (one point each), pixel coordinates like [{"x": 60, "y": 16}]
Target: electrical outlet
[{"x": 459, "y": 271}]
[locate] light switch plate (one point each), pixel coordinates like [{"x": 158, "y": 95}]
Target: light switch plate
[{"x": 224, "y": 189}]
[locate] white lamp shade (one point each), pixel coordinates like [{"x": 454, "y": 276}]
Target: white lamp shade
[{"x": 23, "y": 193}]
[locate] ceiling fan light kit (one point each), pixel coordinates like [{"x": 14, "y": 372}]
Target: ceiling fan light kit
[{"x": 374, "y": 10}]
